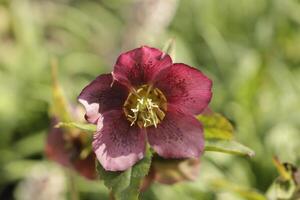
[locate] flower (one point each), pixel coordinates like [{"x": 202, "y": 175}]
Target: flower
[
  {"x": 69, "y": 148},
  {"x": 146, "y": 98}
]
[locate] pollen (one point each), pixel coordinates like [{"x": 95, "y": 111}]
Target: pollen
[{"x": 145, "y": 106}]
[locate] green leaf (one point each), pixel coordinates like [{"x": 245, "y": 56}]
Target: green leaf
[
  {"x": 81, "y": 126},
  {"x": 228, "y": 146},
  {"x": 244, "y": 192},
  {"x": 60, "y": 106},
  {"x": 285, "y": 170},
  {"x": 25, "y": 148},
  {"x": 216, "y": 126},
  {"x": 282, "y": 189},
  {"x": 17, "y": 169},
  {"x": 169, "y": 48},
  {"x": 286, "y": 186},
  {"x": 125, "y": 185}
]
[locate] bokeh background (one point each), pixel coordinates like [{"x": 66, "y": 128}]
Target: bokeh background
[{"x": 250, "y": 48}]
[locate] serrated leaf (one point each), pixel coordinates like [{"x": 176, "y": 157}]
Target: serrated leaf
[
  {"x": 228, "y": 146},
  {"x": 125, "y": 185},
  {"x": 82, "y": 126},
  {"x": 216, "y": 126}
]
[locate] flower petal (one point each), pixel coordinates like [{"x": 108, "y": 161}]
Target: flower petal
[
  {"x": 117, "y": 145},
  {"x": 87, "y": 166},
  {"x": 55, "y": 145},
  {"x": 66, "y": 153},
  {"x": 185, "y": 87},
  {"x": 179, "y": 135},
  {"x": 140, "y": 66},
  {"x": 102, "y": 95}
]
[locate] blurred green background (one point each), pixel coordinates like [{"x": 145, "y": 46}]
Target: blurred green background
[{"x": 250, "y": 48}]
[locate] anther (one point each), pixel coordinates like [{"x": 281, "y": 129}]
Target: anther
[{"x": 145, "y": 107}]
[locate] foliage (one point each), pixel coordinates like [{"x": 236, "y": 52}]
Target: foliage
[
  {"x": 126, "y": 185},
  {"x": 216, "y": 126},
  {"x": 250, "y": 48},
  {"x": 82, "y": 126},
  {"x": 231, "y": 147},
  {"x": 287, "y": 184}
]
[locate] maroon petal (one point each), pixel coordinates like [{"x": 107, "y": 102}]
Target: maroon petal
[
  {"x": 179, "y": 135},
  {"x": 140, "y": 66},
  {"x": 87, "y": 166},
  {"x": 185, "y": 87},
  {"x": 117, "y": 145},
  {"x": 55, "y": 147},
  {"x": 66, "y": 153},
  {"x": 102, "y": 95}
]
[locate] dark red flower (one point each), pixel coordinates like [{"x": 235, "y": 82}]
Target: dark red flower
[
  {"x": 147, "y": 98},
  {"x": 65, "y": 149}
]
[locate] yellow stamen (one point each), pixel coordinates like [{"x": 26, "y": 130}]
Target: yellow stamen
[{"x": 145, "y": 106}]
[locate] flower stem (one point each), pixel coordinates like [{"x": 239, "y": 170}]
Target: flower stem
[
  {"x": 72, "y": 186},
  {"x": 111, "y": 195}
]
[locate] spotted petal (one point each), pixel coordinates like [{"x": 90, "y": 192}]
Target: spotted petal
[
  {"x": 140, "y": 66},
  {"x": 185, "y": 87},
  {"x": 102, "y": 95},
  {"x": 117, "y": 145},
  {"x": 179, "y": 135}
]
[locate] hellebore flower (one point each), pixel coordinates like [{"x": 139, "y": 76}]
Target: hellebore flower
[
  {"x": 146, "y": 98},
  {"x": 67, "y": 149},
  {"x": 68, "y": 146}
]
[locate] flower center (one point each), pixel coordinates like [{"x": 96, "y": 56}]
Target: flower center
[{"x": 145, "y": 106}]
